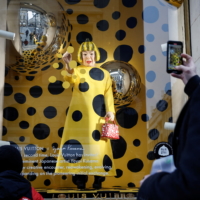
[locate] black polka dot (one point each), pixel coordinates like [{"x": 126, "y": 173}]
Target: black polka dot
[
  {"x": 31, "y": 111},
  {"x": 4, "y": 130},
  {"x": 135, "y": 165},
  {"x": 60, "y": 132},
  {"x": 23, "y": 124},
  {"x": 154, "y": 134},
  {"x": 82, "y": 19},
  {"x": 64, "y": 177},
  {"x": 103, "y": 25},
  {"x": 96, "y": 74},
  {"x": 30, "y": 78},
  {"x": 44, "y": 150},
  {"x": 35, "y": 91},
  {"x": 169, "y": 92},
  {"x": 127, "y": 117},
  {"x": 50, "y": 112},
  {"x": 45, "y": 63},
  {"x": 96, "y": 135},
  {"x": 10, "y": 113},
  {"x": 56, "y": 88},
  {"x": 141, "y": 49},
  {"x": 119, "y": 173},
  {"x": 35, "y": 164},
  {"x": 82, "y": 36},
  {"x": 170, "y": 119},
  {"x": 72, "y": 151},
  {"x": 69, "y": 11},
  {"x": 123, "y": 53},
  {"x": 99, "y": 105},
  {"x": 71, "y": 2},
  {"x": 101, "y": 4},
  {"x": 41, "y": 131},
  {"x": 30, "y": 149},
  {"x": 45, "y": 68},
  {"x": 76, "y": 178},
  {"x": 77, "y": 115},
  {"x": 31, "y": 176},
  {"x": 6, "y": 71},
  {"x": 54, "y": 145},
  {"x": 131, "y": 184},
  {"x": 103, "y": 55},
  {"x": 52, "y": 60},
  {"x": 145, "y": 118},
  {"x": 136, "y": 142},
  {"x": 60, "y": 66},
  {"x": 83, "y": 87},
  {"x": 107, "y": 163},
  {"x": 64, "y": 44},
  {"x": 118, "y": 147},
  {"x": 20, "y": 98},
  {"x": 131, "y": 22},
  {"x": 120, "y": 35},
  {"x": 33, "y": 72},
  {"x": 162, "y": 105},
  {"x": 151, "y": 155},
  {"x": 170, "y": 138},
  {"x": 8, "y": 90},
  {"x": 116, "y": 15},
  {"x": 49, "y": 164},
  {"x": 47, "y": 182},
  {"x": 22, "y": 139},
  {"x": 129, "y": 3},
  {"x": 16, "y": 78},
  {"x": 69, "y": 37}
]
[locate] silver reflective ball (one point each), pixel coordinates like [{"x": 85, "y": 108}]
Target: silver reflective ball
[{"x": 126, "y": 81}]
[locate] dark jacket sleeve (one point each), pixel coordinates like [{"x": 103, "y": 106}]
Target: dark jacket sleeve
[
  {"x": 192, "y": 84},
  {"x": 184, "y": 182}
]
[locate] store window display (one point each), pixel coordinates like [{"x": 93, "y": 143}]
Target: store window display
[{"x": 82, "y": 150}]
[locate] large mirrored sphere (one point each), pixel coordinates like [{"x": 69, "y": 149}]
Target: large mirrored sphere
[
  {"x": 39, "y": 33},
  {"x": 126, "y": 81}
]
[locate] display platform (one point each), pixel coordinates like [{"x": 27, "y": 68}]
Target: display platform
[{"x": 90, "y": 193}]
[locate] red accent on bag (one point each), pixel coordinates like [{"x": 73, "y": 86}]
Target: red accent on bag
[{"x": 110, "y": 131}]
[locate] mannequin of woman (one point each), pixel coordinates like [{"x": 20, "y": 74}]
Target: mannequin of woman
[{"x": 83, "y": 152}]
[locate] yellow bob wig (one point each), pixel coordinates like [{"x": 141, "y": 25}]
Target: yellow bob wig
[{"x": 88, "y": 46}]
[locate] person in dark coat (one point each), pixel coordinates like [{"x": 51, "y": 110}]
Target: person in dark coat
[
  {"x": 13, "y": 186},
  {"x": 184, "y": 182}
]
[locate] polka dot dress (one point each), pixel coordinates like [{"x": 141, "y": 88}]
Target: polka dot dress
[{"x": 82, "y": 149}]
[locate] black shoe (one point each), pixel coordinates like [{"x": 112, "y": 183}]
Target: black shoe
[
  {"x": 98, "y": 182},
  {"x": 80, "y": 181}
]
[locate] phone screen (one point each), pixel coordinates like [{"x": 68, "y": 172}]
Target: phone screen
[{"x": 174, "y": 50}]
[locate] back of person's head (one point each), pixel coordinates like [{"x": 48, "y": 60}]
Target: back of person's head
[{"x": 10, "y": 159}]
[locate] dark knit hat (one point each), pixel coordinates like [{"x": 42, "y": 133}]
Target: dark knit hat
[{"x": 10, "y": 159}]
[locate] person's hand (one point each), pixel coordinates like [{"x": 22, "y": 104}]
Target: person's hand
[
  {"x": 67, "y": 57},
  {"x": 145, "y": 177},
  {"x": 110, "y": 116},
  {"x": 188, "y": 69}
]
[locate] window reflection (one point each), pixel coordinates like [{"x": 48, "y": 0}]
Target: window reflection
[{"x": 34, "y": 25}]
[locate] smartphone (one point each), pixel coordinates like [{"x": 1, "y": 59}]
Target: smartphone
[{"x": 174, "y": 51}]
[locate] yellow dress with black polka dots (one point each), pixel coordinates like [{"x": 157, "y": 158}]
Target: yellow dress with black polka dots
[{"x": 82, "y": 150}]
